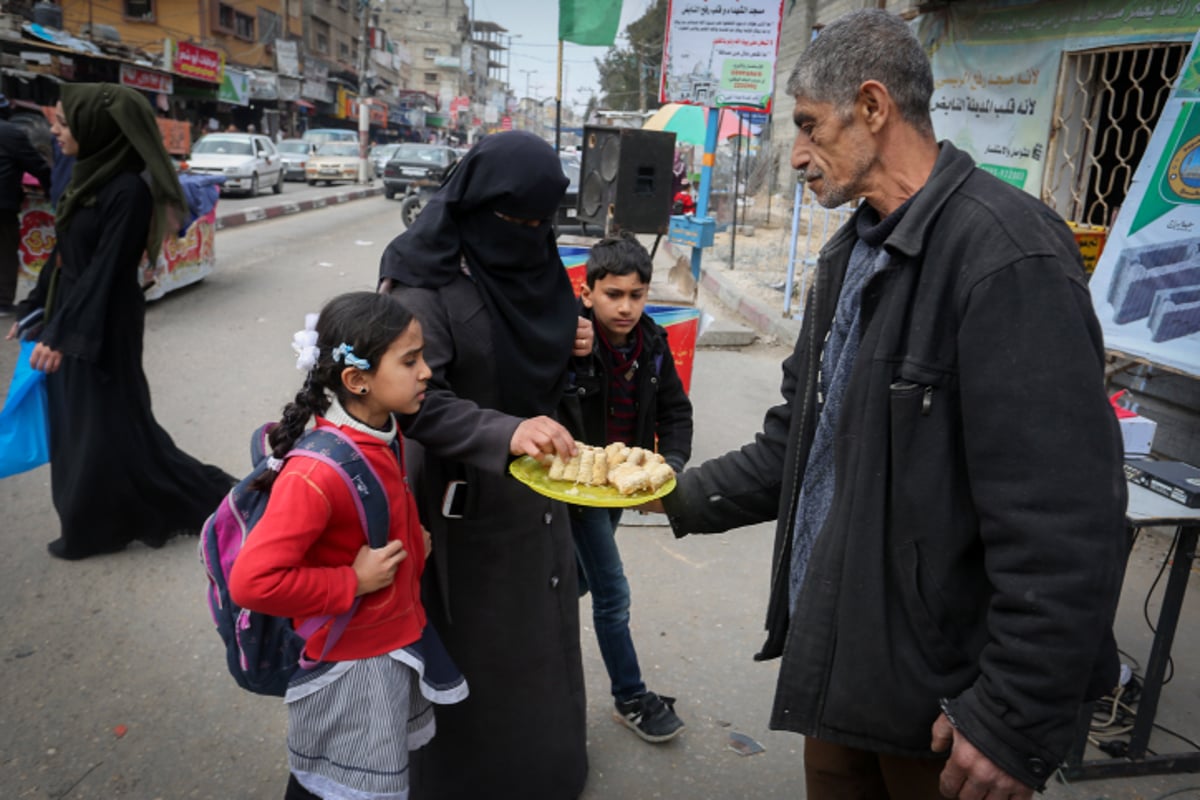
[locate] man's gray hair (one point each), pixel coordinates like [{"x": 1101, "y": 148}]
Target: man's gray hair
[{"x": 864, "y": 46}]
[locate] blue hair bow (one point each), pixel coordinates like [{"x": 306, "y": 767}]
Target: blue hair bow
[{"x": 344, "y": 353}]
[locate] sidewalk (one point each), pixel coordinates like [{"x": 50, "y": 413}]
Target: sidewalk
[{"x": 275, "y": 206}]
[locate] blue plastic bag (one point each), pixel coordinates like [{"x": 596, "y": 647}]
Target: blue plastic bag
[{"x": 24, "y": 420}]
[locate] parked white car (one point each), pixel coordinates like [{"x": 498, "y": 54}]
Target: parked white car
[
  {"x": 335, "y": 161},
  {"x": 248, "y": 161}
]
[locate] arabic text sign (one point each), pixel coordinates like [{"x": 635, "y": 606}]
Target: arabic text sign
[
  {"x": 145, "y": 79},
  {"x": 287, "y": 58},
  {"x": 996, "y": 68},
  {"x": 997, "y": 105},
  {"x": 197, "y": 62},
  {"x": 721, "y": 53}
]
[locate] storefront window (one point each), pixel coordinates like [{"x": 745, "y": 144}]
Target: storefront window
[{"x": 140, "y": 10}]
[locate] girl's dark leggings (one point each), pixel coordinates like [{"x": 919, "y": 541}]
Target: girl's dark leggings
[{"x": 297, "y": 792}]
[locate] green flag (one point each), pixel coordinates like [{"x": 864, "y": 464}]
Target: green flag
[{"x": 590, "y": 22}]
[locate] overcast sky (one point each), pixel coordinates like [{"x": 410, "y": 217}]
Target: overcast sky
[{"x": 533, "y": 24}]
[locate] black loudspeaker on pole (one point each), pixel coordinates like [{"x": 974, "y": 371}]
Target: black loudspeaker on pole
[{"x": 626, "y": 179}]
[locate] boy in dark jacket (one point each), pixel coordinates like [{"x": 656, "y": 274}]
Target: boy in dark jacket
[{"x": 627, "y": 391}]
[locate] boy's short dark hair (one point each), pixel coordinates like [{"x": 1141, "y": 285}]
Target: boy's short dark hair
[{"x": 618, "y": 255}]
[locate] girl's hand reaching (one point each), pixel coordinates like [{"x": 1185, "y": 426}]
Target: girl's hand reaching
[
  {"x": 376, "y": 569},
  {"x": 428, "y": 541}
]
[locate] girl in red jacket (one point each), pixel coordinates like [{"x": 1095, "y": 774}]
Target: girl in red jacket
[{"x": 354, "y": 717}]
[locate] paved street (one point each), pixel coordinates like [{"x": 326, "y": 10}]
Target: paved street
[{"x": 114, "y": 680}]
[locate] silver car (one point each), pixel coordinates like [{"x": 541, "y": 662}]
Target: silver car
[
  {"x": 296, "y": 153},
  {"x": 379, "y": 156}
]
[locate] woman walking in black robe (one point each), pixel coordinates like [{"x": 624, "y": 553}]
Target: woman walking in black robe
[
  {"x": 115, "y": 474},
  {"x": 480, "y": 269}
]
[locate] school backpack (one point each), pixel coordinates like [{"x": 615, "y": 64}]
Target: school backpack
[{"x": 263, "y": 651}]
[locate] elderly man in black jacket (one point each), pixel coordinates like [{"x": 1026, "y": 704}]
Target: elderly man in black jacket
[
  {"x": 17, "y": 156},
  {"x": 945, "y": 468}
]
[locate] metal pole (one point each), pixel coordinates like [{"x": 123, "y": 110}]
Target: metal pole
[
  {"x": 706, "y": 165},
  {"x": 364, "y": 114},
  {"x": 558, "y": 101},
  {"x": 791, "y": 268},
  {"x": 770, "y": 187},
  {"x": 737, "y": 174}
]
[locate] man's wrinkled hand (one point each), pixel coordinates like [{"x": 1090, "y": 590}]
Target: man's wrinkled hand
[{"x": 969, "y": 774}]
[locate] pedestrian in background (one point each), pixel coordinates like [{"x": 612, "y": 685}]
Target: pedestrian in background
[
  {"x": 354, "y": 715},
  {"x": 945, "y": 468},
  {"x": 17, "y": 157},
  {"x": 115, "y": 474},
  {"x": 480, "y": 269},
  {"x": 625, "y": 390}
]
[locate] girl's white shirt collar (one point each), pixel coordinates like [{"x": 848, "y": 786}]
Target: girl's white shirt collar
[{"x": 338, "y": 416}]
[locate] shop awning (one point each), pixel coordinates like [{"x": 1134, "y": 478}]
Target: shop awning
[{"x": 305, "y": 104}]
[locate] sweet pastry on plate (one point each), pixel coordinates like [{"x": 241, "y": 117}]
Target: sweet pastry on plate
[{"x": 627, "y": 469}]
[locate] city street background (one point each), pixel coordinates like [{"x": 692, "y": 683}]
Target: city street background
[{"x": 114, "y": 677}]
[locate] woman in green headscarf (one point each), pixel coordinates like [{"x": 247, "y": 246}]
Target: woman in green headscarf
[{"x": 115, "y": 474}]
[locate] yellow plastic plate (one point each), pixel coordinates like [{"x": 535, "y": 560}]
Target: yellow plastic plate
[{"x": 533, "y": 474}]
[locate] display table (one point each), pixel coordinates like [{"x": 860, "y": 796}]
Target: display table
[{"x": 1147, "y": 509}]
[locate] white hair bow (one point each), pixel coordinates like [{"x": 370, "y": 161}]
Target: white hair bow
[{"x": 305, "y": 344}]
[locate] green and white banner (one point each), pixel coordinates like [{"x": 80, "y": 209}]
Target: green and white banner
[
  {"x": 1146, "y": 286},
  {"x": 996, "y": 68},
  {"x": 235, "y": 88}
]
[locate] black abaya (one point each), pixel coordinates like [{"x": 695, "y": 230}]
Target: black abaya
[{"x": 115, "y": 474}]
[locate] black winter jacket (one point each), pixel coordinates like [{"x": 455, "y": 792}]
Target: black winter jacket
[
  {"x": 663, "y": 407},
  {"x": 18, "y": 156},
  {"x": 973, "y": 554}
]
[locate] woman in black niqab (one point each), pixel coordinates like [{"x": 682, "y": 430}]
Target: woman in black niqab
[
  {"x": 480, "y": 270},
  {"x": 494, "y": 213},
  {"x": 115, "y": 475}
]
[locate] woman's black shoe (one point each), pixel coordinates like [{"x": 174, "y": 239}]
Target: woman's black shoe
[{"x": 58, "y": 548}]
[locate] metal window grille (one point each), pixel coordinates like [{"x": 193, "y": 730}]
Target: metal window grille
[{"x": 1105, "y": 109}]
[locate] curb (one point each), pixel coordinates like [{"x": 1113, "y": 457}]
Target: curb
[
  {"x": 283, "y": 209},
  {"x": 767, "y": 321}
]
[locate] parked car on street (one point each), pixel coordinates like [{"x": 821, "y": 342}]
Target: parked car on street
[
  {"x": 417, "y": 164},
  {"x": 248, "y": 161},
  {"x": 295, "y": 153},
  {"x": 334, "y": 161},
  {"x": 323, "y": 135},
  {"x": 380, "y": 154}
]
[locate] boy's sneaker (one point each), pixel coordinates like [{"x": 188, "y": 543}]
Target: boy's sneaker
[{"x": 650, "y": 716}]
